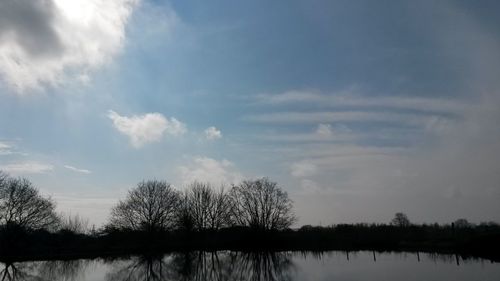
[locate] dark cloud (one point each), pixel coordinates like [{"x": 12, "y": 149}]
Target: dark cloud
[
  {"x": 50, "y": 42},
  {"x": 30, "y": 24}
]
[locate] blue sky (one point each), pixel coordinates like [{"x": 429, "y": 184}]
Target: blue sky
[{"x": 359, "y": 109}]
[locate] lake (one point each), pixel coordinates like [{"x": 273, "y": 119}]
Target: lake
[{"x": 226, "y": 265}]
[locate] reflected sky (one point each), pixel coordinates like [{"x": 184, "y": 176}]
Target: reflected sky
[{"x": 253, "y": 266}]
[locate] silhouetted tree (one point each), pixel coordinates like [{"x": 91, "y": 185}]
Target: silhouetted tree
[
  {"x": 3, "y": 178},
  {"x": 205, "y": 208},
  {"x": 261, "y": 204},
  {"x": 401, "y": 220},
  {"x": 151, "y": 206},
  {"x": 489, "y": 224},
  {"x": 22, "y": 205},
  {"x": 184, "y": 219},
  {"x": 74, "y": 224},
  {"x": 462, "y": 223}
]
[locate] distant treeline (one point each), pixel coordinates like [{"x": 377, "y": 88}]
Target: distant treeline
[
  {"x": 253, "y": 215},
  {"x": 477, "y": 241}
]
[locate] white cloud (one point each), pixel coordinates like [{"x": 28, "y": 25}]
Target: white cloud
[
  {"x": 74, "y": 169},
  {"x": 303, "y": 169},
  {"x": 206, "y": 169},
  {"x": 212, "y": 133},
  {"x": 147, "y": 128},
  {"x": 324, "y": 130},
  {"x": 29, "y": 167},
  {"x": 4, "y": 146},
  {"x": 5, "y": 149},
  {"x": 175, "y": 127},
  {"x": 44, "y": 42}
]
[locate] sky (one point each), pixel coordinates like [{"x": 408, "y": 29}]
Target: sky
[{"x": 358, "y": 109}]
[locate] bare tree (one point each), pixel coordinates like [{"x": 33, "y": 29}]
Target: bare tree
[
  {"x": 206, "y": 207},
  {"x": 22, "y": 205},
  {"x": 401, "y": 220},
  {"x": 151, "y": 206},
  {"x": 3, "y": 178},
  {"x": 220, "y": 209},
  {"x": 184, "y": 218},
  {"x": 261, "y": 204},
  {"x": 75, "y": 224},
  {"x": 462, "y": 223}
]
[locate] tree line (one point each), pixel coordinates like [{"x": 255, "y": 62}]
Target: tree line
[
  {"x": 156, "y": 206},
  {"x": 254, "y": 214},
  {"x": 21, "y": 205}
]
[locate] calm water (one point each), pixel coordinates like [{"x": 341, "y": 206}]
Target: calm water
[{"x": 252, "y": 266}]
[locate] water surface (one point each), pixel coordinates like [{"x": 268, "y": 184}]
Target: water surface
[{"x": 226, "y": 265}]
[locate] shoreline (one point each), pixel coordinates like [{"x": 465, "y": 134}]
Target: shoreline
[
  {"x": 483, "y": 243},
  {"x": 125, "y": 254}
]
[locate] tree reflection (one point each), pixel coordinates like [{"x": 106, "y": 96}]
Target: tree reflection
[
  {"x": 11, "y": 272},
  {"x": 48, "y": 270},
  {"x": 70, "y": 270},
  {"x": 271, "y": 266},
  {"x": 214, "y": 266},
  {"x": 201, "y": 266},
  {"x": 143, "y": 268}
]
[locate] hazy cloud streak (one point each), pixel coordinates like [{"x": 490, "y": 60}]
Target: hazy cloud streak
[
  {"x": 5, "y": 149},
  {"x": 290, "y": 117},
  {"x": 74, "y": 169},
  {"x": 343, "y": 99},
  {"x": 29, "y": 167}
]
